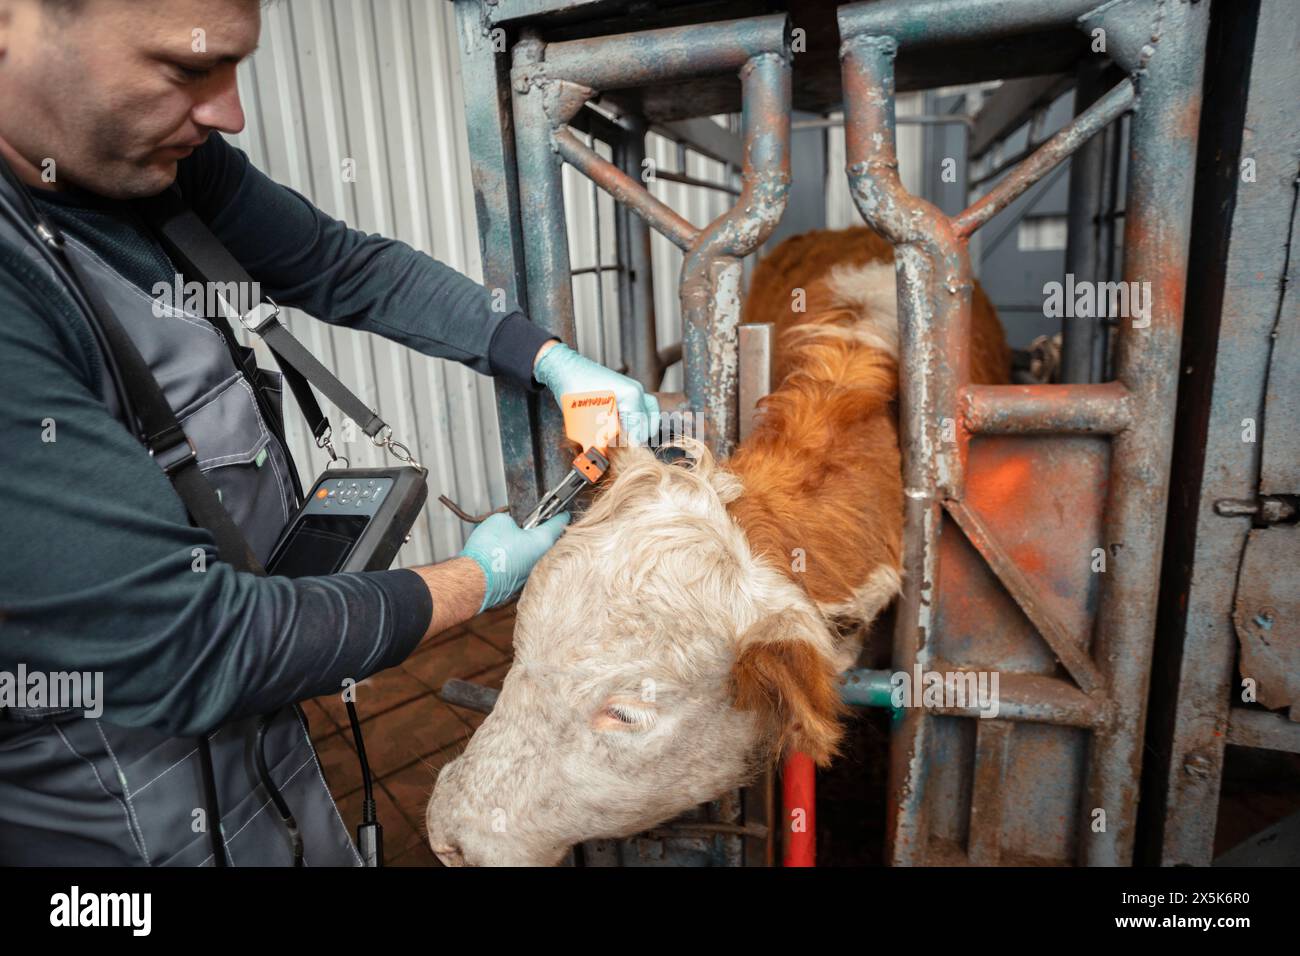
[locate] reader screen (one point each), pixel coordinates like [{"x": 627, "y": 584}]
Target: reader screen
[{"x": 319, "y": 544}]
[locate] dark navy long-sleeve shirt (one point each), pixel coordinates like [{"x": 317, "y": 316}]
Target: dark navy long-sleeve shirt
[{"x": 96, "y": 561}]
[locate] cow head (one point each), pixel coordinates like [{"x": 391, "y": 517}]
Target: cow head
[{"x": 658, "y": 663}]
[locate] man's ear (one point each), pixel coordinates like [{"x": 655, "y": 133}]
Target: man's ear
[{"x": 782, "y": 673}]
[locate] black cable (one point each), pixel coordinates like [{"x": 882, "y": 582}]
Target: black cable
[
  {"x": 210, "y": 798},
  {"x": 264, "y": 772},
  {"x": 370, "y": 835}
]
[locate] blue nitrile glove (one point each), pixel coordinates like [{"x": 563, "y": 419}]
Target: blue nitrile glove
[
  {"x": 507, "y": 553},
  {"x": 564, "y": 371}
]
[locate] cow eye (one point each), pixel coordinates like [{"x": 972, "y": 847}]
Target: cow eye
[
  {"x": 621, "y": 715},
  {"x": 625, "y": 717}
]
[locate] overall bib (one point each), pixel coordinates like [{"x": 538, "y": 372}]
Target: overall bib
[{"x": 79, "y": 791}]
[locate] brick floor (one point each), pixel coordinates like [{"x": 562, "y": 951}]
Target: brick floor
[{"x": 409, "y": 732}]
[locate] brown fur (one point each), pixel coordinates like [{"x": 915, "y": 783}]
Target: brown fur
[
  {"x": 822, "y": 470},
  {"x": 793, "y": 688}
]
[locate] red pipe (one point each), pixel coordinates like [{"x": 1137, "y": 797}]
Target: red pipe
[{"x": 799, "y": 804}]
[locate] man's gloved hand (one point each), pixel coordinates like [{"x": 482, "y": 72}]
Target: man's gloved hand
[
  {"x": 564, "y": 371},
  {"x": 507, "y": 553}
]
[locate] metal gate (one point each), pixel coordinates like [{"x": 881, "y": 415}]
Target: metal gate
[
  {"x": 1034, "y": 514},
  {"x": 1016, "y": 493}
]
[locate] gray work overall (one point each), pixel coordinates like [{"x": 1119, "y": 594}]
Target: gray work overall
[{"x": 85, "y": 792}]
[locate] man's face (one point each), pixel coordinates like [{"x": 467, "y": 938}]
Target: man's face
[{"x": 117, "y": 91}]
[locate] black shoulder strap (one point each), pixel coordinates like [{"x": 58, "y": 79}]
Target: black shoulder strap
[
  {"x": 146, "y": 408},
  {"x": 203, "y": 258},
  {"x": 169, "y": 445}
]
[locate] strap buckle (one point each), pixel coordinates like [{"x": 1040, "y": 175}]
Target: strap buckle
[
  {"x": 175, "y": 456},
  {"x": 260, "y": 316},
  {"x": 323, "y": 441},
  {"x": 395, "y": 448},
  {"x": 49, "y": 236},
  {"x": 256, "y": 318}
]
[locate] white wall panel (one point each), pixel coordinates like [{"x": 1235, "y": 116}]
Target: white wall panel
[{"x": 376, "y": 83}]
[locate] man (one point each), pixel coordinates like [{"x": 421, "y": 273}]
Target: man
[{"x": 103, "y": 102}]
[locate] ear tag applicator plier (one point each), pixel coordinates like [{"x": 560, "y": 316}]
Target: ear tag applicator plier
[{"x": 591, "y": 420}]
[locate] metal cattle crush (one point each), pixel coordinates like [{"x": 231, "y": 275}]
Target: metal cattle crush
[{"x": 1034, "y": 513}]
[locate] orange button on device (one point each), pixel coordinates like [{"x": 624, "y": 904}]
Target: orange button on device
[{"x": 322, "y": 493}]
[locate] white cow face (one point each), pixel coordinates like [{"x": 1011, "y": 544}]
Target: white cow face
[{"x": 658, "y": 663}]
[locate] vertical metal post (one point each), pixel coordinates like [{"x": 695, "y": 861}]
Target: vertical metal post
[
  {"x": 757, "y": 341},
  {"x": 1082, "y": 246},
  {"x": 637, "y": 317},
  {"x": 496, "y": 199},
  {"x": 711, "y": 271},
  {"x": 934, "y": 295},
  {"x": 546, "y": 243},
  {"x": 1157, "y": 228}
]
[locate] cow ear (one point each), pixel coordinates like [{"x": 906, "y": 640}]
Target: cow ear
[{"x": 782, "y": 673}]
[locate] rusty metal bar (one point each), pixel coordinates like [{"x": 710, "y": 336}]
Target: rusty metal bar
[
  {"x": 942, "y": 119},
  {"x": 672, "y": 177},
  {"x": 1157, "y": 232},
  {"x": 1032, "y": 698},
  {"x": 934, "y": 294},
  {"x": 625, "y": 190},
  {"x": 1071, "y": 653},
  {"x": 755, "y": 831},
  {"x": 934, "y": 22},
  {"x": 1041, "y": 409},
  {"x": 546, "y": 243},
  {"x": 1047, "y": 157},
  {"x": 673, "y": 53},
  {"x": 755, "y": 381},
  {"x": 1080, "y": 334},
  {"x": 711, "y": 270},
  {"x": 1027, "y": 698},
  {"x": 989, "y": 791},
  {"x": 496, "y": 199},
  {"x": 1262, "y": 728}
]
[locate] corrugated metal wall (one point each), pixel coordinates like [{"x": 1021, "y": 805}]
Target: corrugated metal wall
[{"x": 375, "y": 84}]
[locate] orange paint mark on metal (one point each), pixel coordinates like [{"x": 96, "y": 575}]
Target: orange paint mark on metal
[{"x": 1001, "y": 484}]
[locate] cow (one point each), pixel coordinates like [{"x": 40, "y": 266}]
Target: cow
[{"x": 688, "y": 629}]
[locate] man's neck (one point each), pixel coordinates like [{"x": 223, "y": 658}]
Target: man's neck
[{"x": 29, "y": 174}]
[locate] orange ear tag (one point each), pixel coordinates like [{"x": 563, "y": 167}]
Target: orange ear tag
[{"x": 591, "y": 419}]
